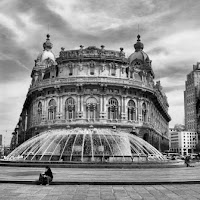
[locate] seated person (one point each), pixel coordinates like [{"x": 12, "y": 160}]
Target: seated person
[{"x": 46, "y": 177}]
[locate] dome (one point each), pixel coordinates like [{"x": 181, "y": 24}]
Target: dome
[
  {"x": 47, "y": 53},
  {"x": 85, "y": 145},
  {"x": 139, "y": 54}
]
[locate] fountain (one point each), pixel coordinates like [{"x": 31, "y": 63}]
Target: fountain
[
  {"x": 85, "y": 107},
  {"x": 85, "y": 145}
]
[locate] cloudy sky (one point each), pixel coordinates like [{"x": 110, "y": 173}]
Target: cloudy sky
[{"x": 169, "y": 29}]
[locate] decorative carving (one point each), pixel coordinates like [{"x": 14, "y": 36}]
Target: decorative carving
[
  {"x": 103, "y": 67},
  {"x": 93, "y": 52},
  {"x": 92, "y": 63},
  {"x": 70, "y": 65},
  {"x": 48, "y": 62},
  {"x": 122, "y": 54},
  {"x": 80, "y": 65}
]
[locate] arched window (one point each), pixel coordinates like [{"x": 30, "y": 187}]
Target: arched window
[
  {"x": 144, "y": 112},
  {"x": 39, "y": 112},
  {"x": 52, "y": 110},
  {"x": 113, "y": 109},
  {"x": 91, "y": 109},
  {"x": 70, "y": 109},
  {"x": 131, "y": 110}
]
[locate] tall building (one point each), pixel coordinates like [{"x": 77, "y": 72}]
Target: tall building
[
  {"x": 191, "y": 96},
  {"x": 173, "y": 140},
  {"x": 94, "y": 88}
]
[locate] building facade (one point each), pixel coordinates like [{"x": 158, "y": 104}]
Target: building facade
[
  {"x": 95, "y": 87},
  {"x": 191, "y": 99},
  {"x": 183, "y": 142}
]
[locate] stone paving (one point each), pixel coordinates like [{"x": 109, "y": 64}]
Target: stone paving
[
  {"x": 101, "y": 184},
  {"x": 99, "y": 192},
  {"x": 119, "y": 176}
]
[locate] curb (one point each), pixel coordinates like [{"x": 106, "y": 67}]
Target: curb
[{"x": 101, "y": 183}]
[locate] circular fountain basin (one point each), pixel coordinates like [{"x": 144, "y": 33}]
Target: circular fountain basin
[{"x": 85, "y": 146}]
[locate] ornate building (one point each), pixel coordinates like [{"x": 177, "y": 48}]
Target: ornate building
[{"x": 94, "y": 87}]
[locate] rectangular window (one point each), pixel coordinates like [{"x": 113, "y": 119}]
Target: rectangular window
[
  {"x": 70, "y": 71},
  {"x": 91, "y": 70},
  {"x": 113, "y": 71}
]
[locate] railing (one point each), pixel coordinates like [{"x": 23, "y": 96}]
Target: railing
[{"x": 83, "y": 80}]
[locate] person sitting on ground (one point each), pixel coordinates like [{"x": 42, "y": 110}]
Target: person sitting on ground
[{"x": 46, "y": 177}]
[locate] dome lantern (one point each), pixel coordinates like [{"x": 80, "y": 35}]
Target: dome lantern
[
  {"x": 47, "y": 45},
  {"x": 139, "y": 54},
  {"x": 46, "y": 57},
  {"x": 139, "y": 45}
]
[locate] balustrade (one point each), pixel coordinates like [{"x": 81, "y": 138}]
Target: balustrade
[{"x": 85, "y": 80}]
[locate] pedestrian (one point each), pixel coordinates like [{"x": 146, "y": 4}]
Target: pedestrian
[
  {"x": 187, "y": 161},
  {"x": 46, "y": 177}
]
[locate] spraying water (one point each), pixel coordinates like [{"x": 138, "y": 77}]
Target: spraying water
[{"x": 85, "y": 145}]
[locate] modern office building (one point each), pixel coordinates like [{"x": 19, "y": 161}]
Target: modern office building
[
  {"x": 183, "y": 142},
  {"x": 191, "y": 99}
]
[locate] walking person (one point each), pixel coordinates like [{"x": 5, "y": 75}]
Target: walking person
[
  {"x": 46, "y": 177},
  {"x": 187, "y": 161}
]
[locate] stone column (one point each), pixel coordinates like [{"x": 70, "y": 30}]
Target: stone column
[
  {"x": 82, "y": 106},
  {"x": 103, "y": 108},
  {"x": 78, "y": 103},
  {"x": 57, "y": 108},
  {"x": 123, "y": 108},
  {"x": 45, "y": 112},
  {"x": 34, "y": 110},
  {"x": 100, "y": 106},
  {"x": 139, "y": 111},
  {"x": 78, "y": 107},
  {"x": 61, "y": 107},
  {"x": 103, "y": 103},
  {"x": 100, "y": 103}
]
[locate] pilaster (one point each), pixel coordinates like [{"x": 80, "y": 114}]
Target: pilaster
[{"x": 123, "y": 109}]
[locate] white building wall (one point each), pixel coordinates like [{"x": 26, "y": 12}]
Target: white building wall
[
  {"x": 188, "y": 141},
  {"x": 183, "y": 142}
]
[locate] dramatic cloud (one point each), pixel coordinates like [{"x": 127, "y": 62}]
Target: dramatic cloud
[{"x": 169, "y": 30}]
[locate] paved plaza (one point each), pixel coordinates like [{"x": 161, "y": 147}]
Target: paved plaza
[
  {"x": 103, "y": 175},
  {"x": 18, "y": 183},
  {"x": 99, "y": 192}
]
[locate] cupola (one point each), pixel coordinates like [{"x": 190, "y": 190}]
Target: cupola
[
  {"x": 139, "y": 54},
  {"x": 47, "y": 56}
]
